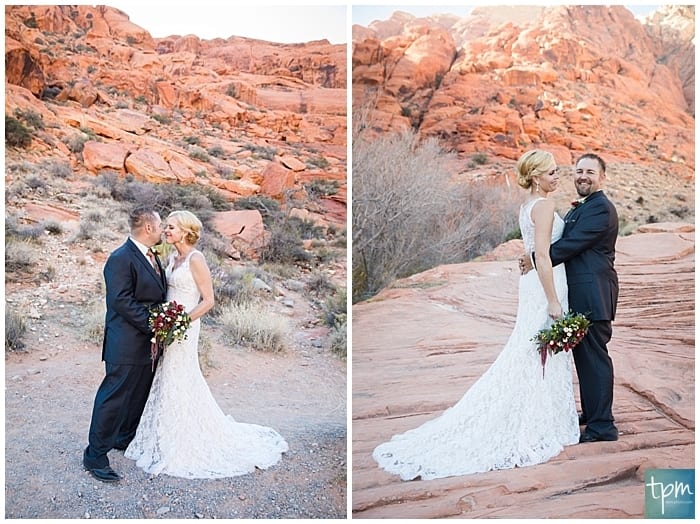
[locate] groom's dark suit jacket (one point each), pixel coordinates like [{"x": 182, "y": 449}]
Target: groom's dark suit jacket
[
  {"x": 132, "y": 286},
  {"x": 587, "y": 247}
]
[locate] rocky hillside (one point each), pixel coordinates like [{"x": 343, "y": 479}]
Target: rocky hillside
[
  {"x": 244, "y": 116},
  {"x": 565, "y": 78}
]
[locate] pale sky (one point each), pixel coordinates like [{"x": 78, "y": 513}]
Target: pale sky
[
  {"x": 287, "y": 24},
  {"x": 371, "y": 11}
]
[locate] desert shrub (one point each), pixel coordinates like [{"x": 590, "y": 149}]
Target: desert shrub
[
  {"x": 318, "y": 161},
  {"x": 285, "y": 245},
  {"x": 480, "y": 158},
  {"x": 163, "y": 119},
  {"x": 16, "y": 134},
  {"x": 20, "y": 255},
  {"x": 216, "y": 151},
  {"x": 268, "y": 208},
  {"x": 321, "y": 188},
  {"x": 319, "y": 283},
  {"x": 231, "y": 288},
  {"x": 57, "y": 169},
  {"x": 15, "y": 329},
  {"x": 201, "y": 200},
  {"x": 339, "y": 337},
  {"x": 199, "y": 154},
  {"x": 76, "y": 143},
  {"x": 192, "y": 140},
  {"x": 52, "y": 226},
  {"x": 14, "y": 229},
  {"x": 31, "y": 118},
  {"x": 254, "y": 326},
  {"x": 410, "y": 215},
  {"x": 87, "y": 230},
  {"x": 94, "y": 321},
  {"x": 268, "y": 153},
  {"x": 226, "y": 172},
  {"x": 335, "y": 308}
]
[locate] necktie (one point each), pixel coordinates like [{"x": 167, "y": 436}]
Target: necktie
[{"x": 152, "y": 257}]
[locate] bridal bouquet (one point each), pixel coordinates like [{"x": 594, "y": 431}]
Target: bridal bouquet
[
  {"x": 563, "y": 335},
  {"x": 169, "y": 322}
]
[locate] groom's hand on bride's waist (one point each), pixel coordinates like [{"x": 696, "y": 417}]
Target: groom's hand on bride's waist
[{"x": 525, "y": 264}]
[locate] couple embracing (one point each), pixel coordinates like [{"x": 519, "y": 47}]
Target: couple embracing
[
  {"x": 513, "y": 416},
  {"x": 165, "y": 419}
]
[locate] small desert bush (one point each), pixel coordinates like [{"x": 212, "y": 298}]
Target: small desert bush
[
  {"x": 16, "y": 230},
  {"x": 285, "y": 244},
  {"x": 56, "y": 168},
  {"x": 265, "y": 152},
  {"x": 15, "y": 328},
  {"x": 335, "y": 308},
  {"x": 94, "y": 321},
  {"x": 53, "y": 227},
  {"x": 201, "y": 200},
  {"x": 339, "y": 337},
  {"x": 321, "y": 188},
  {"x": 231, "y": 287},
  {"x": 216, "y": 151},
  {"x": 199, "y": 154},
  {"x": 319, "y": 162},
  {"x": 20, "y": 255},
  {"x": 30, "y": 117},
  {"x": 254, "y": 326},
  {"x": 268, "y": 208},
  {"x": 16, "y": 134},
  {"x": 409, "y": 214},
  {"x": 319, "y": 284}
]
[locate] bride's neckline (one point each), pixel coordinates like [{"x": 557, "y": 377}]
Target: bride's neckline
[
  {"x": 182, "y": 263},
  {"x": 531, "y": 200}
]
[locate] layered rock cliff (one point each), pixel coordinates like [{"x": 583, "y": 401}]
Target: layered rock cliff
[
  {"x": 245, "y": 116},
  {"x": 506, "y": 79}
]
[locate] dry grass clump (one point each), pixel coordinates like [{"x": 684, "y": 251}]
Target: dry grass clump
[{"x": 253, "y": 325}]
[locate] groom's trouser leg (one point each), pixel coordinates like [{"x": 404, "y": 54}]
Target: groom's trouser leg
[
  {"x": 594, "y": 368},
  {"x": 111, "y": 402},
  {"x": 133, "y": 410}
]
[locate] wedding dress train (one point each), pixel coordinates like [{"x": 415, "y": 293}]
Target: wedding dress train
[
  {"x": 511, "y": 416},
  {"x": 182, "y": 431}
]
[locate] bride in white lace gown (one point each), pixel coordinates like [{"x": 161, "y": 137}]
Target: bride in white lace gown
[
  {"x": 182, "y": 431},
  {"x": 512, "y": 416}
]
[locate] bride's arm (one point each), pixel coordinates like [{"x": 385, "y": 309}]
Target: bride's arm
[
  {"x": 202, "y": 277},
  {"x": 543, "y": 217}
]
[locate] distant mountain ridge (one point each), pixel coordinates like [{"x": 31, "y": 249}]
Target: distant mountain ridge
[{"x": 506, "y": 79}]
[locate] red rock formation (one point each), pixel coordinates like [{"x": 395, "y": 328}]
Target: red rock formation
[
  {"x": 565, "y": 78},
  {"x": 91, "y": 73},
  {"x": 418, "y": 346}
]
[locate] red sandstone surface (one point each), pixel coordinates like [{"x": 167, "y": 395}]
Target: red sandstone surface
[{"x": 418, "y": 346}]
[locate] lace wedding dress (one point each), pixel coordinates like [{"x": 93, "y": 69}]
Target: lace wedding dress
[
  {"x": 182, "y": 431},
  {"x": 511, "y": 416}
]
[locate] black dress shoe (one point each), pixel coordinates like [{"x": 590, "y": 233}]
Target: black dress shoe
[
  {"x": 106, "y": 474},
  {"x": 588, "y": 437}
]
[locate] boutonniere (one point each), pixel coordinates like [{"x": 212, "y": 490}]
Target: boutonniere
[{"x": 578, "y": 202}]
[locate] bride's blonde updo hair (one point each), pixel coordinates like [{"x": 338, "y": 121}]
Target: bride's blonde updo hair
[
  {"x": 189, "y": 223},
  {"x": 533, "y": 163}
]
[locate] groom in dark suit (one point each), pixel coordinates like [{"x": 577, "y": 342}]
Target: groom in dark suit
[
  {"x": 587, "y": 248},
  {"x": 134, "y": 281}
]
